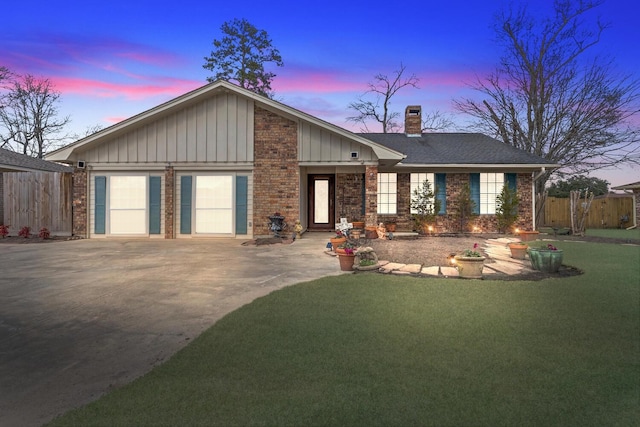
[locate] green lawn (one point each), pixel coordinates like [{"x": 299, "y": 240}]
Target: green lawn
[
  {"x": 614, "y": 233},
  {"x": 370, "y": 349}
]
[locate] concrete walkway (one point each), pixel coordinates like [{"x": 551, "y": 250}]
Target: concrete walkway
[{"x": 80, "y": 318}]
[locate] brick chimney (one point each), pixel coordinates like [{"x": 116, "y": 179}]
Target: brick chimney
[{"x": 413, "y": 120}]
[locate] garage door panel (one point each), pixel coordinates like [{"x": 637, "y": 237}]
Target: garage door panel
[
  {"x": 214, "y": 221},
  {"x": 214, "y": 204},
  {"x": 127, "y": 205},
  {"x": 128, "y": 222}
]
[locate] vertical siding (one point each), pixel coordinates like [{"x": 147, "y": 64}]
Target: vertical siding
[
  {"x": 217, "y": 129},
  {"x": 320, "y": 145}
]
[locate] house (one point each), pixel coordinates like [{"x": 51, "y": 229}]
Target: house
[
  {"x": 219, "y": 160},
  {"x": 32, "y": 193},
  {"x": 634, "y": 188}
]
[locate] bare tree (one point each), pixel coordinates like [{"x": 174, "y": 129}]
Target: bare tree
[
  {"x": 29, "y": 120},
  {"x": 549, "y": 99},
  {"x": 437, "y": 121},
  {"x": 382, "y": 89}
]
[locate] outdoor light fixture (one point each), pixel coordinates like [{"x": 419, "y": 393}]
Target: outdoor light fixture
[{"x": 452, "y": 258}]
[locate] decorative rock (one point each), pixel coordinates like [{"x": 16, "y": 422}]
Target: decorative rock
[
  {"x": 449, "y": 271},
  {"x": 411, "y": 268},
  {"x": 431, "y": 271}
]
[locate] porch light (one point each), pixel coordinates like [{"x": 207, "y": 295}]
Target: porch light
[{"x": 452, "y": 258}]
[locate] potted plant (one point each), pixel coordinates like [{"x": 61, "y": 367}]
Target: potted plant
[
  {"x": 346, "y": 255},
  {"x": 527, "y": 236},
  {"x": 4, "y": 231},
  {"x": 390, "y": 226},
  {"x": 366, "y": 259},
  {"x": 518, "y": 250},
  {"x": 339, "y": 239},
  {"x": 358, "y": 224},
  {"x": 470, "y": 263},
  {"x": 546, "y": 258}
]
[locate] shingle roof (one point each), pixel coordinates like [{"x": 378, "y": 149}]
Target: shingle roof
[
  {"x": 16, "y": 162},
  {"x": 454, "y": 148},
  {"x": 630, "y": 186}
]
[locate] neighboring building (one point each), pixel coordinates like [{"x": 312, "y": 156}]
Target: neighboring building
[
  {"x": 634, "y": 188},
  {"x": 219, "y": 160}
]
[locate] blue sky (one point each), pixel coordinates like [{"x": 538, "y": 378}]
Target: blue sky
[{"x": 111, "y": 60}]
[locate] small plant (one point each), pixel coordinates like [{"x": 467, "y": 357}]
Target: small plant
[
  {"x": 44, "y": 233},
  {"x": 367, "y": 262},
  {"x": 548, "y": 247},
  {"x": 465, "y": 208},
  {"x": 4, "y": 231},
  {"x": 472, "y": 252},
  {"x": 506, "y": 208},
  {"x": 24, "y": 232},
  {"x": 426, "y": 206}
]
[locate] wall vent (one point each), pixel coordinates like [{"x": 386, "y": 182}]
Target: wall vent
[
  {"x": 355, "y": 155},
  {"x": 81, "y": 164}
]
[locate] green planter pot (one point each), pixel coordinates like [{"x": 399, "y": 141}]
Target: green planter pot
[{"x": 545, "y": 260}]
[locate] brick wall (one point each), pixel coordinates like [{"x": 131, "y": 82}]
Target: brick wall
[
  {"x": 169, "y": 194},
  {"x": 349, "y": 199},
  {"x": 448, "y": 223},
  {"x": 79, "y": 203},
  {"x": 371, "y": 196},
  {"x": 276, "y": 172}
]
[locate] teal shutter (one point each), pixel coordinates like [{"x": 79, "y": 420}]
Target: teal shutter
[
  {"x": 154, "y": 204},
  {"x": 510, "y": 179},
  {"x": 441, "y": 191},
  {"x": 474, "y": 184},
  {"x": 101, "y": 205},
  {"x": 241, "y": 204},
  {"x": 185, "y": 204}
]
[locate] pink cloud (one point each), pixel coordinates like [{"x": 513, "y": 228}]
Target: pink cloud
[{"x": 134, "y": 91}]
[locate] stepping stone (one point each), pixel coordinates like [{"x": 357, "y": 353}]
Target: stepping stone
[
  {"x": 382, "y": 263},
  {"x": 449, "y": 271},
  {"x": 401, "y": 272},
  {"x": 393, "y": 266},
  {"x": 431, "y": 271},
  {"x": 412, "y": 268}
]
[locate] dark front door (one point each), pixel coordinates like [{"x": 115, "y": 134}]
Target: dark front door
[{"x": 321, "y": 202}]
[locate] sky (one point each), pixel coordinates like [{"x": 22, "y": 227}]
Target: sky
[{"x": 112, "y": 60}]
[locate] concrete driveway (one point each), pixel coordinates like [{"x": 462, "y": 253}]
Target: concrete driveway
[{"x": 78, "y": 318}]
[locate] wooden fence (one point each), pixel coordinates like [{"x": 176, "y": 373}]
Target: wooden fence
[
  {"x": 36, "y": 200},
  {"x": 605, "y": 212}
]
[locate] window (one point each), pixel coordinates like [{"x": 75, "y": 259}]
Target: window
[
  {"x": 441, "y": 191},
  {"x": 417, "y": 179},
  {"x": 387, "y": 193},
  {"x": 485, "y": 187}
]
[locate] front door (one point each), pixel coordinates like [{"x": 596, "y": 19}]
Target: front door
[{"x": 321, "y": 202}]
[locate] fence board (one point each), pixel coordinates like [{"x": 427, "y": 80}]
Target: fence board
[
  {"x": 604, "y": 213},
  {"x": 36, "y": 200}
]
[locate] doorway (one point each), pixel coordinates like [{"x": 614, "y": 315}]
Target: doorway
[{"x": 321, "y": 202}]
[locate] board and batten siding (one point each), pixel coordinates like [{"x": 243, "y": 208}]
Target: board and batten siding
[
  {"x": 321, "y": 145},
  {"x": 218, "y": 129},
  {"x": 178, "y": 197},
  {"x": 92, "y": 202}
]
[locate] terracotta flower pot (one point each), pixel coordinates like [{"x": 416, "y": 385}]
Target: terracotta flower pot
[
  {"x": 346, "y": 261},
  {"x": 337, "y": 241},
  {"x": 528, "y": 236},
  {"x": 358, "y": 224},
  {"x": 371, "y": 232},
  {"x": 518, "y": 250},
  {"x": 391, "y": 227},
  {"x": 470, "y": 267}
]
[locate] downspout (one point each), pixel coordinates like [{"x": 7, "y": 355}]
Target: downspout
[{"x": 533, "y": 194}]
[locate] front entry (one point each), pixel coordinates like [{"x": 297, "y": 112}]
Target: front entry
[{"x": 321, "y": 202}]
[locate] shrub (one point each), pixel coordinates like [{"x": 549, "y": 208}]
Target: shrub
[
  {"x": 24, "y": 232},
  {"x": 426, "y": 206},
  {"x": 506, "y": 208},
  {"x": 44, "y": 233},
  {"x": 4, "y": 231}
]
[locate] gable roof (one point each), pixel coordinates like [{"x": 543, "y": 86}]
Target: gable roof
[
  {"x": 65, "y": 153},
  {"x": 16, "y": 162},
  {"x": 457, "y": 149},
  {"x": 632, "y": 186}
]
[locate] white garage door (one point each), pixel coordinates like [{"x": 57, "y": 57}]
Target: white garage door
[
  {"x": 214, "y": 204},
  {"x": 127, "y": 204}
]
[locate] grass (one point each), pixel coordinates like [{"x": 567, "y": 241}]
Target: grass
[
  {"x": 385, "y": 350},
  {"x": 614, "y": 233}
]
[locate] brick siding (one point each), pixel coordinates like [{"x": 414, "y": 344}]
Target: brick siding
[
  {"x": 79, "y": 204},
  {"x": 349, "y": 201},
  {"x": 371, "y": 196},
  {"x": 169, "y": 195},
  {"x": 276, "y": 170}
]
